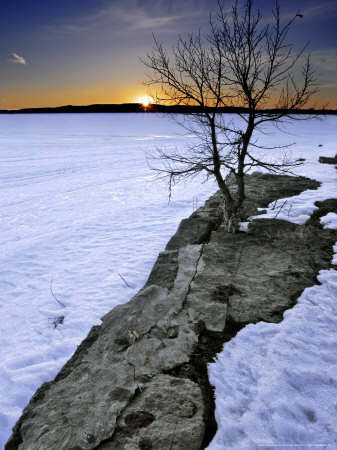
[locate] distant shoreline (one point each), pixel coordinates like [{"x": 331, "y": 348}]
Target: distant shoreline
[{"x": 139, "y": 108}]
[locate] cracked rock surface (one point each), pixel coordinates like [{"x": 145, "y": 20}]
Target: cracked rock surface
[{"x": 139, "y": 381}]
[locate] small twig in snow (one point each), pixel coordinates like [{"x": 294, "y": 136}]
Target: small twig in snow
[
  {"x": 281, "y": 207},
  {"x": 58, "y": 320},
  {"x": 52, "y": 293},
  {"x": 290, "y": 208},
  {"x": 124, "y": 280}
]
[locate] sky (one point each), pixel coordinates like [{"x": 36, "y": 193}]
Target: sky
[{"x": 80, "y": 52}]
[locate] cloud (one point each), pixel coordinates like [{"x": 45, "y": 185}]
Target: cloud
[
  {"x": 321, "y": 10},
  {"x": 325, "y": 60},
  {"x": 132, "y": 15},
  {"x": 329, "y": 86},
  {"x": 17, "y": 59}
]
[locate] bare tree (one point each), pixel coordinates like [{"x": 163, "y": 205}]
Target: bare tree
[{"x": 241, "y": 62}]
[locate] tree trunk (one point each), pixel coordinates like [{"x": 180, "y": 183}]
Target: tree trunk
[
  {"x": 229, "y": 202},
  {"x": 239, "y": 176},
  {"x": 241, "y": 189}
]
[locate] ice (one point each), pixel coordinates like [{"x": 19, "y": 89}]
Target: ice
[{"x": 79, "y": 205}]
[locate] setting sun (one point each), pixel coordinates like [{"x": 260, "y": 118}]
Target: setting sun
[{"x": 145, "y": 101}]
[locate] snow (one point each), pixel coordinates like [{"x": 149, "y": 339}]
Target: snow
[
  {"x": 79, "y": 205},
  {"x": 330, "y": 221},
  {"x": 276, "y": 384}
]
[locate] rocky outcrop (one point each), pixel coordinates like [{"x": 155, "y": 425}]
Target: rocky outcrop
[
  {"x": 328, "y": 160},
  {"x": 139, "y": 381}
]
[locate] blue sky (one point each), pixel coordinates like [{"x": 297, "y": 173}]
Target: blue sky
[{"x": 59, "y": 52}]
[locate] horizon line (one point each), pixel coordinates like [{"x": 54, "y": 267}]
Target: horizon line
[{"x": 139, "y": 107}]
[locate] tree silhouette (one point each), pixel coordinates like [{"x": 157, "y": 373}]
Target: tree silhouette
[{"x": 241, "y": 62}]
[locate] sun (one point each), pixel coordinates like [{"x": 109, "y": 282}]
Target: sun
[{"x": 145, "y": 101}]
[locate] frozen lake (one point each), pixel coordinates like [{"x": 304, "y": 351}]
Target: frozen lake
[{"x": 78, "y": 206}]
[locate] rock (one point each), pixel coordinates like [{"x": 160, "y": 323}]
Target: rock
[
  {"x": 139, "y": 381},
  {"x": 261, "y": 189},
  {"x": 199, "y": 226},
  {"x": 327, "y": 160},
  {"x": 176, "y": 406},
  {"x": 165, "y": 269},
  {"x": 323, "y": 208},
  {"x": 262, "y": 284}
]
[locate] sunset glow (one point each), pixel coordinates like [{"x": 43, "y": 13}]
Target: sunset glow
[{"x": 83, "y": 52}]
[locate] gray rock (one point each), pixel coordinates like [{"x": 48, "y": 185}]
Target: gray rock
[
  {"x": 328, "y": 160},
  {"x": 167, "y": 403},
  {"x": 264, "y": 270},
  {"x": 199, "y": 226}
]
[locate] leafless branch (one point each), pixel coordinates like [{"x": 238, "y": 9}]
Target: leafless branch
[{"x": 240, "y": 62}]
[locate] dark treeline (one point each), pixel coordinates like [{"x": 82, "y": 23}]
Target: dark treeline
[{"x": 139, "y": 108}]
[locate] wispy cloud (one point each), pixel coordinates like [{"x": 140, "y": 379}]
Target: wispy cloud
[
  {"x": 321, "y": 10},
  {"x": 17, "y": 59},
  {"x": 131, "y": 15},
  {"x": 325, "y": 60}
]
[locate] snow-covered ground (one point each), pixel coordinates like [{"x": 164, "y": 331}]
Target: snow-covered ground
[{"x": 79, "y": 206}]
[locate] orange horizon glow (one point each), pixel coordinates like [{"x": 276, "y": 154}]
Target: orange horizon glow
[
  {"x": 89, "y": 95},
  {"x": 79, "y": 95},
  {"x": 104, "y": 94}
]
